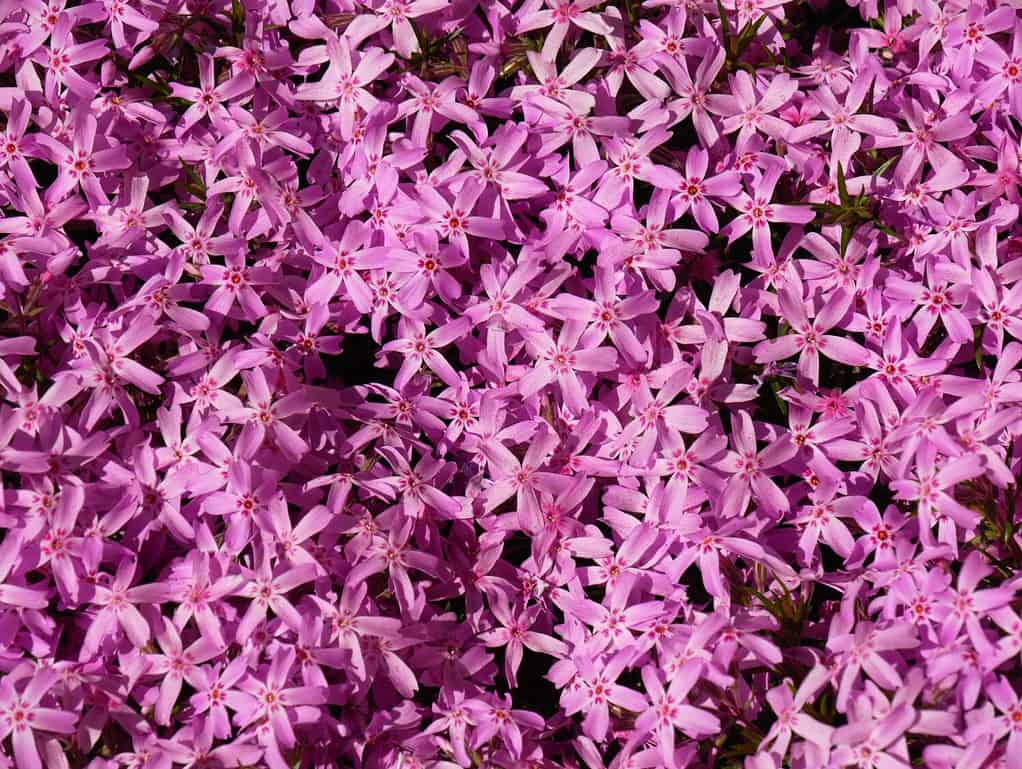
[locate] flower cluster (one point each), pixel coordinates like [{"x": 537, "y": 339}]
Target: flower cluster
[{"x": 510, "y": 385}]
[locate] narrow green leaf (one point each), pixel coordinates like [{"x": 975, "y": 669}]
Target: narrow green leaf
[
  {"x": 238, "y": 22},
  {"x": 725, "y": 25},
  {"x": 888, "y": 231},
  {"x": 885, "y": 166},
  {"x": 748, "y": 33},
  {"x": 842, "y": 189},
  {"x": 846, "y": 237}
]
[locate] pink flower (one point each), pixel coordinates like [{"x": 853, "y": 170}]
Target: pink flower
[
  {"x": 28, "y": 724},
  {"x": 560, "y": 16},
  {"x": 668, "y": 710},
  {"x": 117, "y": 608},
  {"x": 810, "y": 338},
  {"x": 758, "y": 212}
]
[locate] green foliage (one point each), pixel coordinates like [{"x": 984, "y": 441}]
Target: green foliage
[{"x": 735, "y": 46}]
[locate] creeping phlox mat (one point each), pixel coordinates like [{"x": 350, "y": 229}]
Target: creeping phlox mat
[{"x": 510, "y": 384}]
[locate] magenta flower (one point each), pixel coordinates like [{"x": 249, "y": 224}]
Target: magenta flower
[
  {"x": 562, "y": 362},
  {"x": 747, "y": 112},
  {"x": 264, "y": 418},
  {"x": 548, "y": 384},
  {"x": 1004, "y": 67},
  {"x": 560, "y": 16},
  {"x": 267, "y": 588},
  {"x": 668, "y": 711},
  {"x": 868, "y": 650},
  {"x": 419, "y": 348},
  {"x": 606, "y": 315},
  {"x": 456, "y": 719},
  {"x": 275, "y": 701},
  {"x": 923, "y": 140},
  {"x": 572, "y": 122},
  {"x": 843, "y": 123},
  {"x": 118, "y": 611},
  {"x": 929, "y": 488},
  {"x": 747, "y": 466},
  {"x": 176, "y": 666},
  {"x": 346, "y": 80},
  {"x": 430, "y": 107},
  {"x": 515, "y": 635},
  {"x": 398, "y": 15},
  {"x": 693, "y": 189},
  {"x": 199, "y": 594},
  {"x": 692, "y": 94},
  {"x": 235, "y": 282},
  {"x": 63, "y": 57},
  {"x": 455, "y": 220},
  {"x": 614, "y": 623},
  {"x": 874, "y": 742},
  {"x": 791, "y": 721},
  {"x": 208, "y": 99},
  {"x": 596, "y": 690},
  {"x": 810, "y": 339},
  {"x": 523, "y": 478},
  {"x": 973, "y": 31},
  {"x": 412, "y": 485},
  {"x": 757, "y": 212},
  {"x": 557, "y": 85},
  {"x": 30, "y": 725},
  {"x": 351, "y": 629},
  {"x": 215, "y": 692},
  {"x": 499, "y": 719}
]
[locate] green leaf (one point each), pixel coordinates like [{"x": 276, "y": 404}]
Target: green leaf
[
  {"x": 847, "y": 230},
  {"x": 725, "y": 25},
  {"x": 888, "y": 231},
  {"x": 238, "y": 22},
  {"x": 147, "y": 82},
  {"x": 749, "y": 32},
  {"x": 842, "y": 188},
  {"x": 827, "y": 209},
  {"x": 885, "y": 166}
]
